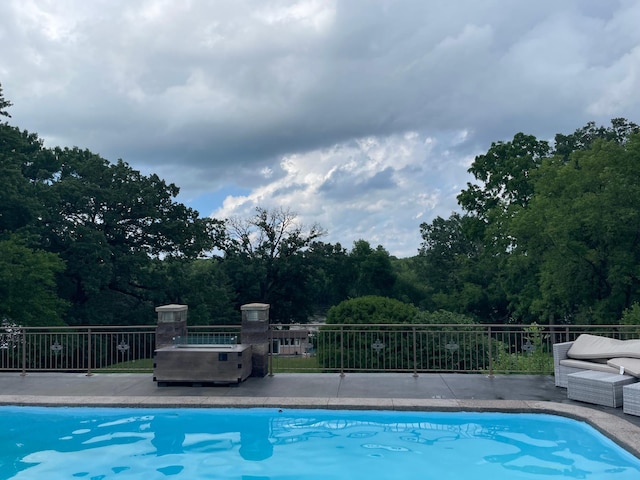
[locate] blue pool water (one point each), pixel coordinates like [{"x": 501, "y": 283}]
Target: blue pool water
[{"x": 260, "y": 444}]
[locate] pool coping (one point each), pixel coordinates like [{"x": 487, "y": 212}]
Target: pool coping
[{"x": 621, "y": 431}]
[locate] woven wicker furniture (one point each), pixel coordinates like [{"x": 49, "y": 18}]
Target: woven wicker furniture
[
  {"x": 595, "y": 352},
  {"x": 600, "y": 388},
  {"x": 560, "y": 371},
  {"x": 564, "y": 366},
  {"x": 631, "y": 399}
]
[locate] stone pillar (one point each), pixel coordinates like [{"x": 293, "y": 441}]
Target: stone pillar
[
  {"x": 172, "y": 323},
  {"x": 255, "y": 332}
]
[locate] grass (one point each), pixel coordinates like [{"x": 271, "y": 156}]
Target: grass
[{"x": 296, "y": 363}]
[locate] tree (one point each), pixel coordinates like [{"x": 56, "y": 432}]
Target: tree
[
  {"x": 4, "y": 104},
  {"x": 504, "y": 176},
  {"x": 263, "y": 257},
  {"x": 371, "y": 269},
  {"x": 446, "y": 245},
  {"x": 202, "y": 284},
  {"x": 583, "y": 230},
  {"x": 107, "y": 221},
  {"x": 461, "y": 272},
  {"x": 409, "y": 286},
  {"x": 28, "y": 285},
  {"x": 582, "y": 139},
  {"x": 504, "y": 188},
  {"x": 548, "y": 235},
  {"x": 23, "y": 177},
  {"x": 330, "y": 279}
]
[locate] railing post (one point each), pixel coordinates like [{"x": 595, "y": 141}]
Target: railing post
[
  {"x": 24, "y": 353},
  {"x": 415, "y": 354},
  {"x": 270, "y": 350},
  {"x": 490, "y": 352},
  {"x": 89, "y": 352},
  {"x": 341, "y": 350}
]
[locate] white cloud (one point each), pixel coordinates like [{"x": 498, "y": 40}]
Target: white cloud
[
  {"x": 622, "y": 93},
  {"x": 375, "y": 188}
]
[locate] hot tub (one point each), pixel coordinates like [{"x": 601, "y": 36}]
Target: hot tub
[{"x": 198, "y": 364}]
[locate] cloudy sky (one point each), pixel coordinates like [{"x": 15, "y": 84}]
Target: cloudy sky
[{"x": 361, "y": 116}]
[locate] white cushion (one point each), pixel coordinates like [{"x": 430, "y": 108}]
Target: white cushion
[
  {"x": 588, "y": 346},
  {"x": 631, "y": 365},
  {"x": 587, "y": 365}
]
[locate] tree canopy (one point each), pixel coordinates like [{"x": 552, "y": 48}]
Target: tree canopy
[
  {"x": 548, "y": 234},
  {"x": 91, "y": 228},
  {"x": 28, "y": 287},
  {"x": 264, "y": 258},
  {"x": 371, "y": 309}
]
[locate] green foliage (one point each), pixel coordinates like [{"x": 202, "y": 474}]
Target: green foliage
[
  {"x": 371, "y": 309},
  {"x": 549, "y": 235},
  {"x": 631, "y": 319},
  {"x": 105, "y": 221},
  {"x": 504, "y": 175},
  {"x": 631, "y": 315},
  {"x": 108, "y": 222},
  {"x": 264, "y": 260},
  {"x": 536, "y": 359},
  {"x": 583, "y": 138},
  {"x": 581, "y": 233},
  {"x": 350, "y": 340},
  {"x": 452, "y": 342},
  {"x": 22, "y": 179},
  {"x": 330, "y": 278},
  {"x": 371, "y": 270},
  {"x": 461, "y": 270},
  {"x": 4, "y": 104},
  {"x": 352, "y": 346},
  {"x": 443, "y": 317},
  {"x": 202, "y": 284},
  {"x": 27, "y": 285},
  {"x": 409, "y": 286}
]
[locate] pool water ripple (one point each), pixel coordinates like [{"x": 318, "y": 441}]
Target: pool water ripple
[{"x": 117, "y": 443}]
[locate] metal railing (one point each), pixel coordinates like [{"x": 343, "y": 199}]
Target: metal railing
[
  {"x": 419, "y": 348},
  {"x": 90, "y": 349},
  {"x": 325, "y": 348}
]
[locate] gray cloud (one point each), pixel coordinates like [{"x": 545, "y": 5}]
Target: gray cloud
[{"x": 218, "y": 94}]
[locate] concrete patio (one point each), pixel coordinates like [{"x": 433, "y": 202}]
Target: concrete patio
[{"x": 392, "y": 391}]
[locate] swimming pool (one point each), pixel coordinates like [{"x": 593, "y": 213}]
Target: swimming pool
[{"x": 259, "y": 444}]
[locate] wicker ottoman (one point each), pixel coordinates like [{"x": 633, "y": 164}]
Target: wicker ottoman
[
  {"x": 631, "y": 399},
  {"x": 600, "y": 388}
]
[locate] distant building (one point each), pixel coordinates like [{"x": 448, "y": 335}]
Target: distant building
[{"x": 290, "y": 342}]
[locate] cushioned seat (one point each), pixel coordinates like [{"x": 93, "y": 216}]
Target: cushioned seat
[
  {"x": 588, "y": 346},
  {"x": 628, "y": 366},
  {"x": 585, "y": 365},
  {"x": 596, "y": 353}
]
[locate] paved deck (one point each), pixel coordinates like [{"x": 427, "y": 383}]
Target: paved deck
[{"x": 393, "y": 391}]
